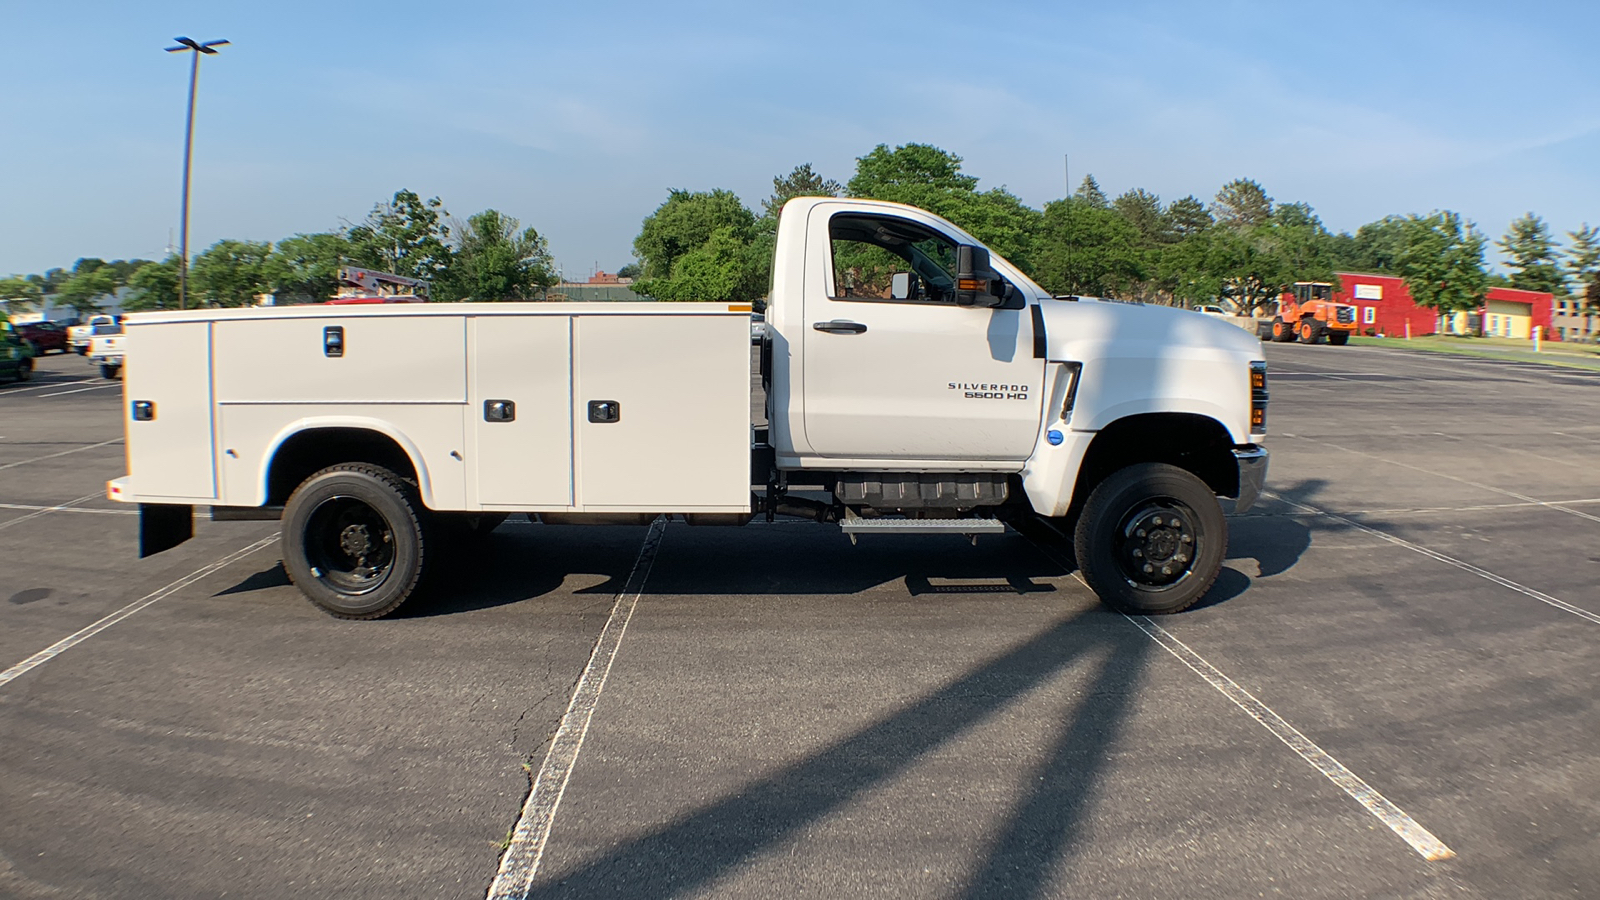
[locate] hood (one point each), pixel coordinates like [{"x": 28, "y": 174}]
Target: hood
[{"x": 1085, "y": 328}]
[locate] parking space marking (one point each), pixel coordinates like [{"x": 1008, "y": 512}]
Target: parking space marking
[
  {"x": 46, "y": 387},
  {"x": 98, "y": 387},
  {"x": 1541, "y": 596},
  {"x": 1421, "y": 839},
  {"x": 520, "y": 863},
  {"x": 68, "y": 507},
  {"x": 62, "y": 453},
  {"x": 78, "y": 637},
  {"x": 42, "y": 510},
  {"x": 1501, "y": 491}
]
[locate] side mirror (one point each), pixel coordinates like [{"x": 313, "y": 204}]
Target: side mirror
[
  {"x": 903, "y": 286},
  {"x": 976, "y": 283}
]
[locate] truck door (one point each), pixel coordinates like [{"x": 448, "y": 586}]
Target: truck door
[{"x": 893, "y": 368}]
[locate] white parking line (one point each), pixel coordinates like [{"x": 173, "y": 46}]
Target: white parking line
[
  {"x": 41, "y": 510},
  {"x": 98, "y": 387},
  {"x": 78, "y": 637},
  {"x": 1420, "y": 839},
  {"x": 1541, "y": 596},
  {"x": 62, "y": 453},
  {"x": 521, "y": 860},
  {"x": 65, "y": 507},
  {"x": 1484, "y": 487},
  {"x": 46, "y": 387}
]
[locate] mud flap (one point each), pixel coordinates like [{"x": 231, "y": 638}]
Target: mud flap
[{"x": 163, "y": 526}]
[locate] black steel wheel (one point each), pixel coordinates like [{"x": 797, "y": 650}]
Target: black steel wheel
[
  {"x": 1151, "y": 539},
  {"x": 355, "y": 540}
]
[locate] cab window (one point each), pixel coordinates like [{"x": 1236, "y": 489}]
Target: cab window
[{"x": 869, "y": 251}]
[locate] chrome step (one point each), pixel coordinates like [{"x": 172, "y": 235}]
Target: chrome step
[{"x": 853, "y": 526}]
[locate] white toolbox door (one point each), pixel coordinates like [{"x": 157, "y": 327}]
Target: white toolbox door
[
  {"x": 681, "y": 439},
  {"x": 383, "y": 358},
  {"x": 525, "y": 461},
  {"x": 169, "y": 367}
]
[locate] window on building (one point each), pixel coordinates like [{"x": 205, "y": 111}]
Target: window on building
[{"x": 1369, "y": 315}]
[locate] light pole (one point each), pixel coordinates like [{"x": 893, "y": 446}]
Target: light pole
[{"x": 185, "y": 44}]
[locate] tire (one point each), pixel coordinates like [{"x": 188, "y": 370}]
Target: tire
[
  {"x": 1338, "y": 338},
  {"x": 109, "y": 372},
  {"x": 1120, "y": 548},
  {"x": 1310, "y": 331},
  {"x": 25, "y": 370},
  {"x": 1281, "y": 332},
  {"x": 356, "y": 540}
]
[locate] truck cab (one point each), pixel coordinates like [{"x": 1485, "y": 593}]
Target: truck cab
[{"x": 914, "y": 383}]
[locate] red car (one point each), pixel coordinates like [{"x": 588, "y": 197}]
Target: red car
[{"x": 44, "y": 336}]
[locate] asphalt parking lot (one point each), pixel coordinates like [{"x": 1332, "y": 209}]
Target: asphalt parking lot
[{"x": 1402, "y": 648}]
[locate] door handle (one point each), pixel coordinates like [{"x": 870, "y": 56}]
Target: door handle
[{"x": 839, "y": 326}]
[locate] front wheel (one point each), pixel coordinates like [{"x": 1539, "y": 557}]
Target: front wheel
[
  {"x": 1282, "y": 331},
  {"x": 1151, "y": 539},
  {"x": 355, "y": 540},
  {"x": 109, "y": 372},
  {"x": 1338, "y": 338}
]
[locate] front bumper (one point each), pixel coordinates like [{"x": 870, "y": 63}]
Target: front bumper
[{"x": 1252, "y": 461}]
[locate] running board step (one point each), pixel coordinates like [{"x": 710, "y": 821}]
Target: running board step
[{"x": 854, "y": 526}]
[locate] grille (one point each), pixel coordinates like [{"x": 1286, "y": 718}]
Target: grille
[{"x": 1346, "y": 314}]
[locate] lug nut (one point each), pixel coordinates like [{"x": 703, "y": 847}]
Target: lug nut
[
  {"x": 1187, "y": 539},
  {"x": 1149, "y": 568},
  {"x": 1156, "y": 520},
  {"x": 1166, "y": 570},
  {"x": 1137, "y": 552}
]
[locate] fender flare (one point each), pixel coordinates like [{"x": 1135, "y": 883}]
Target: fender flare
[{"x": 363, "y": 423}]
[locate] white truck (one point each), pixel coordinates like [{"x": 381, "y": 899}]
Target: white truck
[
  {"x": 105, "y": 348},
  {"x": 79, "y": 336},
  {"x": 913, "y": 383}
]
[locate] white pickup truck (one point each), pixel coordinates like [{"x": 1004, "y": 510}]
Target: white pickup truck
[
  {"x": 105, "y": 348},
  {"x": 913, "y": 383}
]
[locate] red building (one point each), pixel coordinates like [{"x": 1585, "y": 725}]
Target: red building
[{"x": 1384, "y": 306}]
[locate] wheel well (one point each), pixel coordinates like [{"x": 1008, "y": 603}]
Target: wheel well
[
  {"x": 1196, "y": 443},
  {"x": 311, "y": 451}
]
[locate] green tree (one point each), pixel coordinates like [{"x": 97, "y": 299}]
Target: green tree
[
  {"x": 1143, "y": 211},
  {"x": 231, "y": 273},
  {"x": 1532, "y": 253},
  {"x": 305, "y": 267},
  {"x": 51, "y": 281},
  {"x": 1442, "y": 262},
  {"x": 802, "y": 182},
  {"x": 686, "y": 222},
  {"x": 154, "y": 285},
  {"x": 717, "y": 270},
  {"x": 495, "y": 258},
  {"x": 1242, "y": 204},
  {"x": 1375, "y": 247},
  {"x": 406, "y": 236},
  {"x": 930, "y": 178},
  {"x": 1248, "y": 266},
  {"x": 1188, "y": 216},
  {"x": 1085, "y": 250},
  {"x": 84, "y": 290},
  {"x": 19, "y": 291},
  {"x": 1583, "y": 263},
  {"x": 631, "y": 270},
  {"x": 1090, "y": 195}
]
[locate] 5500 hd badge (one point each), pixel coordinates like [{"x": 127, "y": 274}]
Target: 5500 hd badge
[{"x": 990, "y": 391}]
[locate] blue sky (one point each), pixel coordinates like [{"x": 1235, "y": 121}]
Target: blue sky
[{"x": 577, "y": 118}]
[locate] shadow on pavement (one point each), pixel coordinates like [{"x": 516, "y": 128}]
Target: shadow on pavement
[{"x": 1041, "y": 829}]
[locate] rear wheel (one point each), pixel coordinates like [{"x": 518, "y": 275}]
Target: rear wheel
[
  {"x": 355, "y": 540},
  {"x": 1338, "y": 338},
  {"x": 109, "y": 372},
  {"x": 1151, "y": 539},
  {"x": 25, "y": 370}
]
